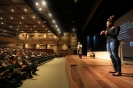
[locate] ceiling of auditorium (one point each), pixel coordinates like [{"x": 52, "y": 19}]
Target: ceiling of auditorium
[
  {"x": 16, "y": 16},
  {"x": 58, "y": 16}
]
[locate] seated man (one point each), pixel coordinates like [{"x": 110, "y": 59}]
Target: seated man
[
  {"x": 29, "y": 65},
  {"x": 19, "y": 65}
]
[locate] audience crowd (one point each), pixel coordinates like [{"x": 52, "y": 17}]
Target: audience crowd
[{"x": 17, "y": 65}]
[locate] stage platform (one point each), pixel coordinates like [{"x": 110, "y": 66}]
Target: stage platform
[{"x": 90, "y": 72}]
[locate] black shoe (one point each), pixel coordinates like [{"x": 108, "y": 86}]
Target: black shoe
[
  {"x": 30, "y": 76},
  {"x": 19, "y": 84}
]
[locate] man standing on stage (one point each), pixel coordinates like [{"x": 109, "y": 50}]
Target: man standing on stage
[{"x": 79, "y": 50}]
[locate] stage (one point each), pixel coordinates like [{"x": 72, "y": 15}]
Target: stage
[{"x": 91, "y": 72}]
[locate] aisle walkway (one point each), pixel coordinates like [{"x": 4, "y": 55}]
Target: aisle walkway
[{"x": 51, "y": 75}]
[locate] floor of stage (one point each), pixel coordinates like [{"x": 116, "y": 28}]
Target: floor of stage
[{"x": 90, "y": 72}]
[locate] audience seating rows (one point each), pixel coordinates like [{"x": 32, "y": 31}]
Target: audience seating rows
[{"x": 21, "y": 67}]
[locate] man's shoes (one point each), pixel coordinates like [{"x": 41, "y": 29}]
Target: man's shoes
[
  {"x": 117, "y": 74},
  {"x": 19, "y": 84},
  {"x": 30, "y": 76}
]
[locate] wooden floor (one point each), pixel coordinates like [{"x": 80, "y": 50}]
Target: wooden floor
[{"x": 93, "y": 73}]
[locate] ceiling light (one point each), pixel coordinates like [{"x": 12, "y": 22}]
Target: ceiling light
[
  {"x": 10, "y": 26},
  {"x": 2, "y": 23},
  {"x": 18, "y": 26},
  {"x": 53, "y": 21},
  {"x": 22, "y": 31},
  {"x": 50, "y": 15},
  {"x": 31, "y": 29},
  {"x": 73, "y": 29},
  {"x": 44, "y": 21},
  {"x": 17, "y": 29},
  {"x": 1, "y": 18},
  {"x": 37, "y": 3},
  {"x": 34, "y": 26},
  {"x": 55, "y": 25},
  {"x": 33, "y": 16},
  {"x": 25, "y": 9},
  {"x": 39, "y": 22},
  {"x": 43, "y": 2},
  {"x": 40, "y": 9},
  {"x": 11, "y": 17},
  {"x": 26, "y": 26},
  {"x": 12, "y": 10},
  {"x": 22, "y": 17}
]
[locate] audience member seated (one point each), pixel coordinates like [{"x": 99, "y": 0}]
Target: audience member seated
[
  {"x": 16, "y": 74},
  {"x": 19, "y": 65},
  {"x": 20, "y": 62}
]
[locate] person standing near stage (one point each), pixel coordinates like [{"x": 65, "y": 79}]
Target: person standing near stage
[
  {"x": 112, "y": 45},
  {"x": 79, "y": 50}
]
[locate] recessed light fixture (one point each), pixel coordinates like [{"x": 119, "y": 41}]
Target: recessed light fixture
[
  {"x": 44, "y": 21},
  {"x": 40, "y": 9},
  {"x": 11, "y": 17},
  {"x": 50, "y": 14},
  {"x": 12, "y": 10},
  {"x": 25, "y": 9},
  {"x": 10, "y": 26},
  {"x": 37, "y": 3},
  {"x": 43, "y": 2},
  {"x": 53, "y": 21}
]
